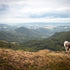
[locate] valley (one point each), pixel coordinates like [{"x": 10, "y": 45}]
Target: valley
[
  {"x": 34, "y": 34},
  {"x": 34, "y": 49},
  {"x": 21, "y": 34}
]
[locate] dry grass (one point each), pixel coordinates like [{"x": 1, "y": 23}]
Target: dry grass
[{"x": 41, "y": 60}]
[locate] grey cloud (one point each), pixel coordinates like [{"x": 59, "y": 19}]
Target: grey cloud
[{"x": 35, "y": 8}]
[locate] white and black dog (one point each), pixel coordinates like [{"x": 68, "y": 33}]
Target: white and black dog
[{"x": 67, "y": 46}]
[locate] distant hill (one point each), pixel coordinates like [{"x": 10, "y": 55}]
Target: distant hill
[
  {"x": 5, "y": 27},
  {"x": 15, "y": 37},
  {"x": 41, "y": 25},
  {"x": 21, "y": 34},
  {"x": 18, "y": 35},
  {"x": 9, "y": 36},
  {"x": 55, "y": 42},
  {"x": 27, "y": 32},
  {"x": 34, "y": 33},
  {"x": 61, "y": 28},
  {"x": 46, "y": 32}
]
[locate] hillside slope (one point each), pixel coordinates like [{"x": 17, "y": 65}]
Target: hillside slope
[
  {"x": 19, "y": 35},
  {"x": 41, "y": 60},
  {"x": 9, "y": 36},
  {"x": 55, "y": 42},
  {"x": 5, "y": 27}
]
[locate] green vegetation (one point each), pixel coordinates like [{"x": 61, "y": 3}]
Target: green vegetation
[
  {"x": 10, "y": 45},
  {"x": 19, "y": 35},
  {"x": 56, "y": 42},
  {"x": 40, "y": 60},
  {"x": 9, "y": 36},
  {"x": 22, "y": 34}
]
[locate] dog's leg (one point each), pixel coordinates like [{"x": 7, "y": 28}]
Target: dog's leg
[{"x": 66, "y": 49}]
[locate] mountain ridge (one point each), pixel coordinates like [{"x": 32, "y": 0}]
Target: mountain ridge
[{"x": 18, "y": 34}]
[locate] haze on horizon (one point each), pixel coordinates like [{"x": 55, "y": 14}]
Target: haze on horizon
[{"x": 28, "y": 11}]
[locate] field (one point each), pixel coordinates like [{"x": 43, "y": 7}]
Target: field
[{"x": 41, "y": 60}]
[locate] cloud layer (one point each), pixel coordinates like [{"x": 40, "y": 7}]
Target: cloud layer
[{"x": 24, "y": 11}]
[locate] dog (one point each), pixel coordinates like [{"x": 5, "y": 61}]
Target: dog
[{"x": 67, "y": 46}]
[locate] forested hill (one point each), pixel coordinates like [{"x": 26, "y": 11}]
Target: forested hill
[
  {"x": 28, "y": 32},
  {"x": 19, "y": 35},
  {"x": 55, "y": 42},
  {"x": 22, "y": 34}
]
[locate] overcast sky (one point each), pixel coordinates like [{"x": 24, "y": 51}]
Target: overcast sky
[{"x": 27, "y": 11}]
